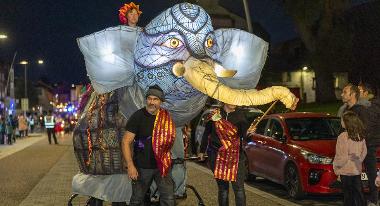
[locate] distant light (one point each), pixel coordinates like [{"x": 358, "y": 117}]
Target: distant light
[
  {"x": 3, "y": 36},
  {"x": 24, "y": 62},
  {"x": 305, "y": 68},
  {"x": 40, "y": 61},
  {"x": 72, "y": 85}
]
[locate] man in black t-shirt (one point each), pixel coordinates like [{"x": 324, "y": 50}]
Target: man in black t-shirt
[{"x": 142, "y": 168}]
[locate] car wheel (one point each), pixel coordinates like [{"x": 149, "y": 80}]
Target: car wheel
[
  {"x": 293, "y": 182},
  {"x": 250, "y": 177}
]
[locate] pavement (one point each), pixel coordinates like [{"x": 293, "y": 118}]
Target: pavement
[{"x": 53, "y": 186}]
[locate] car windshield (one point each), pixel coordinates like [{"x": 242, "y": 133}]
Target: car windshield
[{"x": 313, "y": 128}]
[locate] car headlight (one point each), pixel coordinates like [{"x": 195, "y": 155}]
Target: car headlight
[{"x": 316, "y": 159}]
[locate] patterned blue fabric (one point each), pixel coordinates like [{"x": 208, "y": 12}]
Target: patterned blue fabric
[{"x": 175, "y": 34}]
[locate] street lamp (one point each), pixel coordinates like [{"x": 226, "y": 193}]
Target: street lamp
[
  {"x": 3, "y": 36},
  {"x": 25, "y": 63}
]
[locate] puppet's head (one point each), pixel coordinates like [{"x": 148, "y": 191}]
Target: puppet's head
[{"x": 181, "y": 31}]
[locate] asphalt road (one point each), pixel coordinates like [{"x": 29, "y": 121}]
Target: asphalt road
[{"x": 21, "y": 171}]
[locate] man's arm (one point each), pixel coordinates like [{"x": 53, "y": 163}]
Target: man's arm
[{"x": 127, "y": 154}]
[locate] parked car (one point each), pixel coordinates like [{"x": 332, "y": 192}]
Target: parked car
[{"x": 297, "y": 151}]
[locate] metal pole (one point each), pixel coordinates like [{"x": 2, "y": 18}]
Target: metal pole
[
  {"x": 10, "y": 78},
  {"x": 247, "y": 16},
  {"x": 26, "y": 87}
]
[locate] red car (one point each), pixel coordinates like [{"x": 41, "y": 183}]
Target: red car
[{"x": 295, "y": 150}]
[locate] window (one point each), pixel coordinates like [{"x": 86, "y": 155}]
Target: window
[
  {"x": 275, "y": 130},
  {"x": 261, "y": 127},
  {"x": 314, "y": 128}
]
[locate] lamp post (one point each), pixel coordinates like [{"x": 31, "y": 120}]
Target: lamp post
[
  {"x": 25, "y": 63},
  {"x": 25, "y": 79},
  {"x": 247, "y": 16},
  {"x": 303, "y": 96}
]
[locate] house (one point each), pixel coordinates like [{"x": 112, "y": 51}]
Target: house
[{"x": 286, "y": 67}]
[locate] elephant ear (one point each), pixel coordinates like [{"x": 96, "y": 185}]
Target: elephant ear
[
  {"x": 241, "y": 51},
  {"x": 108, "y": 56}
]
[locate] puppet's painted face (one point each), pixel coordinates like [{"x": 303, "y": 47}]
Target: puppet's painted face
[{"x": 176, "y": 34}]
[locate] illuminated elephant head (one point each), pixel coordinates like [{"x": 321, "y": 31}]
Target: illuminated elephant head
[{"x": 181, "y": 52}]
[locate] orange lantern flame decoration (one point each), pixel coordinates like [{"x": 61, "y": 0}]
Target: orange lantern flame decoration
[{"x": 123, "y": 11}]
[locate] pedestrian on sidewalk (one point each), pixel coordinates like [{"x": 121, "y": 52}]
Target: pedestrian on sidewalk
[
  {"x": 31, "y": 123},
  {"x": 2, "y": 130},
  {"x": 49, "y": 125},
  {"x": 349, "y": 156},
  {"x": 22, "y": 125},
  {"x": 227, "y": 127},
  {"x": 9, "y": 129}
]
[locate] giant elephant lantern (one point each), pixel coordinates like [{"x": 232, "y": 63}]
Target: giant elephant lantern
[{"x": 181, "y": 52}]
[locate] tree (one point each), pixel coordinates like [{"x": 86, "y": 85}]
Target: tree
[{"x": 324, "y": 32}]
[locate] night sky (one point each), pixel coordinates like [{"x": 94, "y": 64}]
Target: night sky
[{"x": 48, "y": 30}]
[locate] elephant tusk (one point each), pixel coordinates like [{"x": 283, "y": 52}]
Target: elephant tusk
[
  {"x": 178, "y": 70},
  {"x": 201, "y": 76},
  {"x": 222, "y": 72}
]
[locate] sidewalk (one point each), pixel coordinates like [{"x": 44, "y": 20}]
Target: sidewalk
[
  {"x": 55, "y": 187},
  {"x": 21, "y": 143}
]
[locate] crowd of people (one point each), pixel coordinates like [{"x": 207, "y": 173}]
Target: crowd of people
[
  {"x": 20, "y": 126},
  {"x": 358, "y": 143}
]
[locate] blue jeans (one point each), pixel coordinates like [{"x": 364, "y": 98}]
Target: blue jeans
[
  {"x": 144, "y": 180},
  {"x": 237, "y": 186}
]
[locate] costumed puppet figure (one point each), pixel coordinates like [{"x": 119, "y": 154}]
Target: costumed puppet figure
[
  {"x": 97, "y": 137},
  {"x": 181, "y": 53}
]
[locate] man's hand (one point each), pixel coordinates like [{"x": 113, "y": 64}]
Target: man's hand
[
  {"x": 251, "y": 130},
  {"x": 132, "y": 172}
]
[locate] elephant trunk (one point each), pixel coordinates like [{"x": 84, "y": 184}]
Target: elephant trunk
[{"x": 201, "y": 75}]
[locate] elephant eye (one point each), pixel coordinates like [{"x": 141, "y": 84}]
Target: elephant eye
[
  {"x": 209, "y": 42},
  {"x": 172, "y": 43}
]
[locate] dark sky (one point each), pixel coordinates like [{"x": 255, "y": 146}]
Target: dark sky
[{"x": 48, "y": 29}]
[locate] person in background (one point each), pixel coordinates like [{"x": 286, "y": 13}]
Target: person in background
[
  {"x": 31, "y": 123},
  {"x": 49, "y": 125},
  {"x": 2, "y": 130},
  {"x": 22, "y": 125},
  {"x": 9, "y": 129},
  {"x": 366, "y": 94},
  {"x": 349, "y": 156},
  {"x": 373, "y": 142},
  {"x": 352, "y": 95}
]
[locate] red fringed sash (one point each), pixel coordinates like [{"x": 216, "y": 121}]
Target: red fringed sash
[
  {"x": 162, "y": 140},
  {"x": 227, "y": 160}
]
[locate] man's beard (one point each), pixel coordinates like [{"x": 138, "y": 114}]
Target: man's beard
[{"x": 152, "y": 107}]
